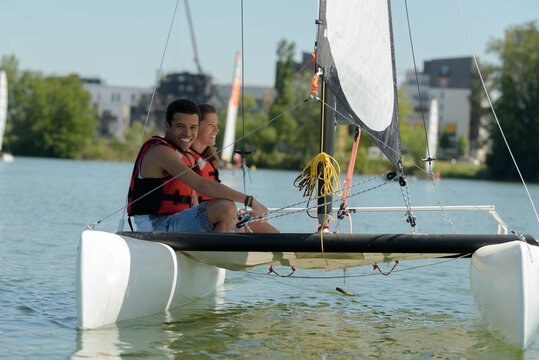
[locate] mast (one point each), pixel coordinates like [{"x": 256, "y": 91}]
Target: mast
[{"x": 327, "y": 145}]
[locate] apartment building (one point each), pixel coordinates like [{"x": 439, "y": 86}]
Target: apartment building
[{"x": 449, "y": 81}]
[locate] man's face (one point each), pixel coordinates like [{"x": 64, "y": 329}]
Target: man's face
[{"x": 182, "y": 130}]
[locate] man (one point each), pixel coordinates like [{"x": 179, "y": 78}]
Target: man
[{"x": 162, "y": 184}]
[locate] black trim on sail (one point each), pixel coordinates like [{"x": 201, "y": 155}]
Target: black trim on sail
[
  {"x": 387, "y": 140},
  {"x": 341, "y": 243}
]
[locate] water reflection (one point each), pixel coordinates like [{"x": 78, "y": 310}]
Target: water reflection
[
  {"x": 145, "y": 337},
  {"x": 302, "y": 327}
]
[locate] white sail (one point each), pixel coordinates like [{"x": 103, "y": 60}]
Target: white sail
[
  {"x": 230, "y": 128},
  {"x": 3, "y": 105},
  {"x": 364, "y": 69},
  {"x": 432, "y": 136},
  {"x": 355, "y": 56}
]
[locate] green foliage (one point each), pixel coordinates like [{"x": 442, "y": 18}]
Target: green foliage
[
  {"x": 49, "y": 116},
  {"x": 291, "y": 138},
  {"x": 444, "y": 141},
  {"x": 413, "y": 139},
  {"x": 406, "y": 107},
  {"x": 462, "y": 144},
  {"x": 448, "y": 169},
  {"x": 517, "y": 80},
  {"x": 113, "y": 150},
  {"x": 413, "y": 142}
]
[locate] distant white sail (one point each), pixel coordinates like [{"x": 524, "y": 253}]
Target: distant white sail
[
  {"x": 230, "y": 129},
  {"x": 432, "y": 134},
  {"x": 3, "y": 105}
]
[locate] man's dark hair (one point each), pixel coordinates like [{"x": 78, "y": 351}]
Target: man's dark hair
[{"x": 183, "y": 106}]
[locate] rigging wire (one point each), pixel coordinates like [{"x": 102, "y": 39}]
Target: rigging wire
[
  {"x": 242, "y": 104},
  {"x": 158, "y": 76},
  {"x": 417, "y": 79},
  {"x": 363, "y": 275},
  {"x": 277, "y": 213},
  {"x": 493, "y": 111},
  {"x": 430, "y": 157}
]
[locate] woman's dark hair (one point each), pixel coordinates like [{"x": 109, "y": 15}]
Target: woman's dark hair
[
  {"x": 209, "y": 152},
  {"x": 183, "y": 106},
  {"x": 206, "y": 109}
]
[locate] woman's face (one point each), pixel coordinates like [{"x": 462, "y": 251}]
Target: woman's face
[{"x": 208, "y": 130}]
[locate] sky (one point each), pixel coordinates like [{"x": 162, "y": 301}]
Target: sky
[{"x": 123, "y": 42}]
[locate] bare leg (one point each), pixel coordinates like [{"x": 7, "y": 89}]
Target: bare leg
[
  {"x": 262, "y": 227},
  {"x": 221, "y": 212}
]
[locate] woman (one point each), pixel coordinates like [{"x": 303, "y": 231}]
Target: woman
[
  {"x": 207, "y": 159},
  {"x": 203, "y": 146}
]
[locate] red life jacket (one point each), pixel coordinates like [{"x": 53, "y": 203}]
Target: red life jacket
[
  {"x": 168, "y": 196},
  {"x": 206, "y": 169}
]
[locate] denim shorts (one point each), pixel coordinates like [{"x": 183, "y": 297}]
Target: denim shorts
[{"x": 190, "y": 220}]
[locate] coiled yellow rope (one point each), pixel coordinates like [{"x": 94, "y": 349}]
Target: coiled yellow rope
[
  {"x": 331, "y": 186},
  {"x": 330, "y": 176}
]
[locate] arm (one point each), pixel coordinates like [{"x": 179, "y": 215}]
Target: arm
[{"x": 164, "y": 159}]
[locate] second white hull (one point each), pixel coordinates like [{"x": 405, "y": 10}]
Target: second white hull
[{"x": 504, "y": 283}]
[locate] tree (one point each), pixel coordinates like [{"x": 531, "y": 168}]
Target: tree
[
  {"x": 284, "y": 77},
  {"x": 49, "y": 116},
  {"x": 412, "y": 138},
  {"x": 462, "y": 145},
  {"x": 517, "y": 80}
]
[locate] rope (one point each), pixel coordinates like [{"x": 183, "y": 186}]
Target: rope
[
  {"x": 313, "y": 59},
  {"x": 375, "y": 266},
  {"x": 349, "y": 173},
  {"x": 331, "y": 183},
  {"x": 330, "y": 176},
  {"x": 275, "y": 272}
]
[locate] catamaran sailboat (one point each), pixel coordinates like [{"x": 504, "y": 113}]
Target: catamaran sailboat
[{"x": 130, "y": 274}]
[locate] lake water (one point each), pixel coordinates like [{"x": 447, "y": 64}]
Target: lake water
[{"x": 415, "y": 312}]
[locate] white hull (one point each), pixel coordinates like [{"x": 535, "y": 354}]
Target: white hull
[
  {"x": 7, "y": 157},
  {"x": 504, "y": 282},
  {"x": 120, "y": 278}
]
